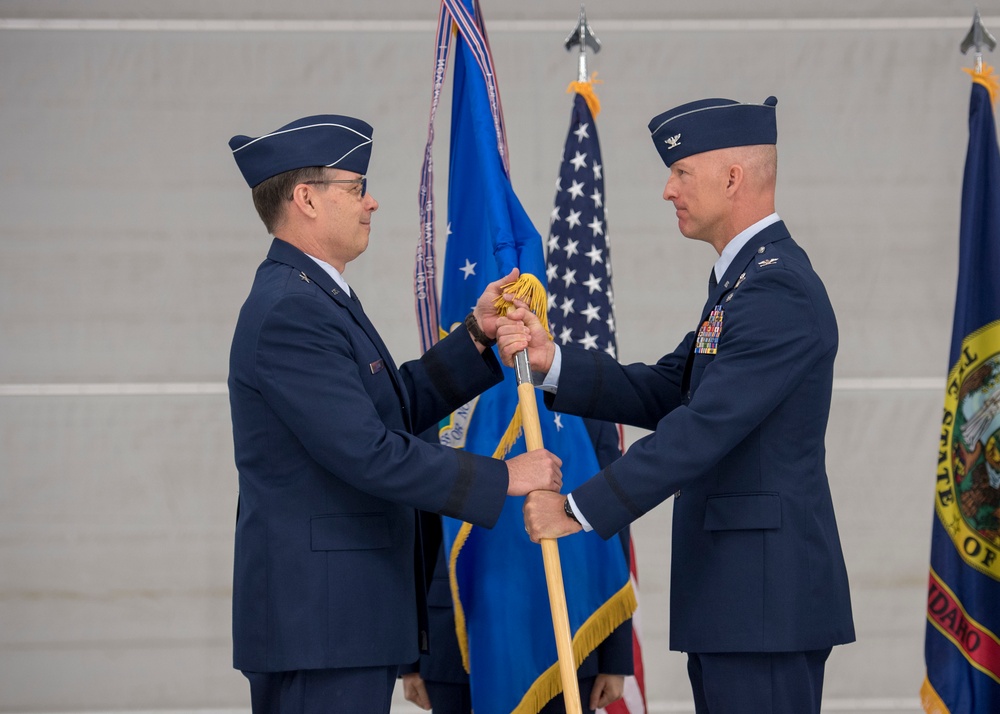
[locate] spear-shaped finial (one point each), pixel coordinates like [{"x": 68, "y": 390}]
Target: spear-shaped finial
[
  {"x": 978, "y": 37},
  {"x": 583, "y": 37}
]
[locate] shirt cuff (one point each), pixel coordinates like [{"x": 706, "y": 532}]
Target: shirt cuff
[
  {"x": 579, "y": 516},
  {"x": 549, "y": 382}
]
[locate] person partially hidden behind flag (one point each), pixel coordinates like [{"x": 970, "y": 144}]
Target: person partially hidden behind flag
[
  {"x": 738, "y": 413},
  {"x": 327, "y": 598},
  {"x": 439, "y": 682}
]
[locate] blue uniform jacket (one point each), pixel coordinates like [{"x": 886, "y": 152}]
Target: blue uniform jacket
[
  {"x": 330, "y": 473},
  {"x": 738, "y": 436}
]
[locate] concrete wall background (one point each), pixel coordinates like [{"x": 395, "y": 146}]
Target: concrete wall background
[{"x": 128, "y": 242}]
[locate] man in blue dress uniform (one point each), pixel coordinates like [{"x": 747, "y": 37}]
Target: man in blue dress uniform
[
  {"x": 328, "y": 597},
  {"x": 738, "y": 414}
]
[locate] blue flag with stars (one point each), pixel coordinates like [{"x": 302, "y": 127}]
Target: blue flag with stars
[{"x": 502, "y": 614}]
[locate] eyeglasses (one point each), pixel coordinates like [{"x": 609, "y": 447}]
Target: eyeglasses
[{"x": 363, "y": 182}]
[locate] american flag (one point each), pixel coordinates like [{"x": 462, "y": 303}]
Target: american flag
[
  {"x": 581, "y": 303},
  {"x": 578, "y": 253}
]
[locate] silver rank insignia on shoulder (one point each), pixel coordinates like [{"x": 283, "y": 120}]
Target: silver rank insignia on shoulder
[
  {"x": 707, "y": 342},
  {"x": 304, "y": 277},
  {"x": 769, "y": 261}
]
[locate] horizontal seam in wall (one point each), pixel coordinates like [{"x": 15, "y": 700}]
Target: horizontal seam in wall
[
  {"x": 152, "y": 389},
  {"x": 501, "y": 26}
]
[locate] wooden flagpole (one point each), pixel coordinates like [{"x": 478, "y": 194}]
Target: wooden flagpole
[{"x": 550, "y": 549}]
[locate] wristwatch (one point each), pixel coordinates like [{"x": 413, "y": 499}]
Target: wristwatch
[
  {"x": 477, "y": 332},
  {"x": 569, "y": 511}
]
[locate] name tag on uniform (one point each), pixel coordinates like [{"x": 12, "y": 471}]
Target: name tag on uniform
[
  {"x": 376, "y": 366},
  {"x": 707, "y": 342}
]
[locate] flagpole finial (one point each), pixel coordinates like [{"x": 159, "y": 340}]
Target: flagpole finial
[
  {"x": 584, "y": 37},
  {"x": 978, "y": 37}
]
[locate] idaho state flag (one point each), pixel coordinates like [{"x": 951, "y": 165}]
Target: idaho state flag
[
  {"x": 962, "y": 647},
  {"x": 502, "y": 614}
]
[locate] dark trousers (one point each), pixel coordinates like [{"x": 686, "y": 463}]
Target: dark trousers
[
  {"x": 353, "y": 690},
  {"x": 455, "y": 698},
  {"x": 765, "y": 683},
  {"x": 557, "y": 705},
  {"x": 447, "y": 698}
]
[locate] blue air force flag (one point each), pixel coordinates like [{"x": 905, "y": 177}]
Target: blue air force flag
[{"x": 501, "y": 604}]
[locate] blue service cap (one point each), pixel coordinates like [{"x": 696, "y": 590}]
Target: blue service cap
[
  {"x": 323, "y": 140},
  {"x": 712, "y": 124}
]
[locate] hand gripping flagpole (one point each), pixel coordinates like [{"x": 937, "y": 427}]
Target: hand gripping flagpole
[{"x": 528, "y": 288}]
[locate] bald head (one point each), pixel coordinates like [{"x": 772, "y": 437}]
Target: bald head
[
  {"x": 759, "y": 163},
  {"x": 757, "y": 169}
]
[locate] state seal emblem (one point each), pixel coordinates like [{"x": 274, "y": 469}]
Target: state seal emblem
[{"x": 968, "y": 474}]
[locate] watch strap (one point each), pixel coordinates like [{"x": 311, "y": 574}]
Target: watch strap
[
  {"x": 472, "y": 325},
  {"x": 569, "y": 510}
]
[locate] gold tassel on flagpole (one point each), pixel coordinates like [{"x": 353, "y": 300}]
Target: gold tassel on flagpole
[
  {"x": 529, "y": 290},
  {"x": 984, "y": 75},
  {"x": 586, "y": 90}
]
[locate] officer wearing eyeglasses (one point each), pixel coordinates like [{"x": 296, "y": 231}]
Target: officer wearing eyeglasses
[{"x": 328, "y": 598}]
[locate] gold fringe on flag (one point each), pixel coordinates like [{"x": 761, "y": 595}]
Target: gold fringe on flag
[
  {"x": 461, "y": 633},
  {"x": 987, "y": 79},
  {"x": 586, "y": 90},
  {"x": 598, "y": 627},
  {"x": 930, "y": 700},
  {"x": 620, "y": 607}
]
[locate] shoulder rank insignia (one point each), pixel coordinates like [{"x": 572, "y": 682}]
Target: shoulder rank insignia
[
  {"x": 767, "y": 262},
  {"x": 303, "y": 276},
  {"x": 707, "y": 342}
]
